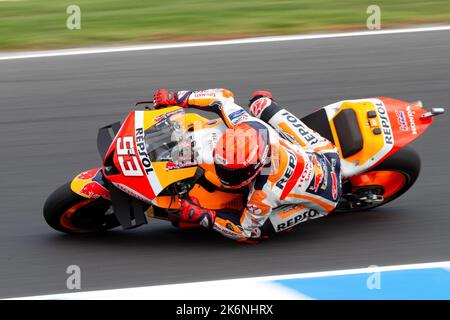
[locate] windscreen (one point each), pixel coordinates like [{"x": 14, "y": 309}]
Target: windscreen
[{"x": 167, "y": 141}]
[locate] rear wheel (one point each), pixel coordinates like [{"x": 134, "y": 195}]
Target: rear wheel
[
  {"x": 68, "y": 212},
  {"x": 381, "y": 184}
]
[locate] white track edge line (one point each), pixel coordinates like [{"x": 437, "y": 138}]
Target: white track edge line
[
  {"x": 178, "y": 45},
  {"x": 213, "y": 283}
]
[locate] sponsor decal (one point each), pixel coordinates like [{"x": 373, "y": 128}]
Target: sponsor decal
[
  {"x": 166, "y": 115},
  {"x": 243, "y": 118},
  {"x": 237, "y": 116},
  {"x": 303, "y": 130},
  {"x": 401, "y": 119},
  {"x": 334, "y": 185},
  {"x": 385, "y": 125},
  {"x": 412, "y": 123},
  {"x": 306, "y": 175},
  {"x": 147, "y": 167},
  {"x": 301, "y": 217},
  {"x": 227, "y": 232},
  {"x": 88, "y": 174},
  {"x": 131, "y": 192},
  {"x": 95, "y": 190},
  {"x": 334, "y": 181},
  {"x": 204, "y": 94},
  {"x": 173, "y": 165},
  {"x": 259, "y": 105},
  {"x": 142, "y": 151},
  {"x": 320, "y": 175},
  {"x": 288, "y": 172}
]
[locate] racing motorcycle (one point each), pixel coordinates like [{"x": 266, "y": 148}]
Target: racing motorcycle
[{"x": 148, "y": 164}]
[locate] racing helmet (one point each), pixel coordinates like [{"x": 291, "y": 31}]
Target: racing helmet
[{"x": 241, "y": 153}]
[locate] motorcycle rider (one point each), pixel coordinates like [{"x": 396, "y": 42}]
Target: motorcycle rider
[{"x": 273, "y": 153}]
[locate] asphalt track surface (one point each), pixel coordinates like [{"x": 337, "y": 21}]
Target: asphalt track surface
[{"x": 51, "y": 109}]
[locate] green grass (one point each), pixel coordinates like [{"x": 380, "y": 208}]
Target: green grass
[{"x": 42, "y": 23}]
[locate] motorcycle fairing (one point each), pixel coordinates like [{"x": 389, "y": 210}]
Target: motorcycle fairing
[
  {"x": 90, "y": 184},
  {"x": 134, "y": 173},
  {"x": 130, "y": 212},
  {"x": 385, "y": 125}
]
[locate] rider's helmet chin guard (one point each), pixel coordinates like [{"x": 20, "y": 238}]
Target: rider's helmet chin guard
[{"x": 241, "y": 154}]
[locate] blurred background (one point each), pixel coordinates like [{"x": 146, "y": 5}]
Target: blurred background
[{"x": 37, "y": 24}]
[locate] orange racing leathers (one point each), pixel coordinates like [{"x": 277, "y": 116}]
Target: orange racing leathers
[{"x": 302, "y": 180}]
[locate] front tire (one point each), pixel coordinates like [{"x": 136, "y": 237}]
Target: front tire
[{"x": 69, "y": 212}]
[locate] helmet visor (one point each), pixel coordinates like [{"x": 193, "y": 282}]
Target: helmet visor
[{"x": 237, "y": 177}]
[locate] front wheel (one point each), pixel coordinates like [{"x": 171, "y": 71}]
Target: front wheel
[
  {"x": 68, "y": 212},
  {"x": 386, "y": 181}
]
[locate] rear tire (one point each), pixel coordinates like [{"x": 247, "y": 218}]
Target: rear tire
[
  {"x": 69, "y": 212},
  {"x": 405, "y": 161}
]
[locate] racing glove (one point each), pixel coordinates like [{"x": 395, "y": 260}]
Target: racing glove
[
  {"x": 191, "y": 211},
  {"x": 259, "y": 101},
  {"x": 163, "y": 98}
]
